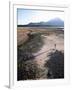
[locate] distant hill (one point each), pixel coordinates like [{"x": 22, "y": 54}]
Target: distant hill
[{"x": 56, "y": 22}]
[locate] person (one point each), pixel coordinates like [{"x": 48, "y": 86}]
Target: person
[{"x": 55, "y": 46}]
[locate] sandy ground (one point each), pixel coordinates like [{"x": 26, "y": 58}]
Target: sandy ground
[
  {"x": 52, "y": 42},
  {"x": 22, "y": 36},
  {"x": 49, "y": 46}
]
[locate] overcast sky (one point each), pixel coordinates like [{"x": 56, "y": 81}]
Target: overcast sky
[{"x": 25, "y": 16}]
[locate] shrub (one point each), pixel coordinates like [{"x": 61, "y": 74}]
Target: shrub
[
  {"x": 26, "y": 70},
  {"x": 55, "y": 65},
  {"x": 26, "y": 67}
]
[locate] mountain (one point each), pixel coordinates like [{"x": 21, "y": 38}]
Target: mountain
[{"x": 56, "y": 22}]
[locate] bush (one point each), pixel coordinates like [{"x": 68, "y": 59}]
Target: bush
[
  {"x": 29, "y": 70},
  {"x": 55, "y": 65},
  {"x": 26, "y": 70},
  {"x": 26, "y": 67},
  {"x": 34, "y": 43}
]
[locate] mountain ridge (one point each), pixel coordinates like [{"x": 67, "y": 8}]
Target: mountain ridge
[{"x": 55, "y": 22}]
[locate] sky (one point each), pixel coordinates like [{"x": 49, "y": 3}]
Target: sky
[{"x": 25, "y": 16}]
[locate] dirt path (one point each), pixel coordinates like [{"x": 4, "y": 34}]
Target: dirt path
[
  {"x": 49, "y": 45},
  {"x": 41, "y": 56}
]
